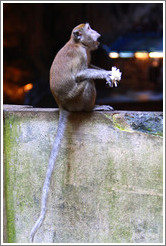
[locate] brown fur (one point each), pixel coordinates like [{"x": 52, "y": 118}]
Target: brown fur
[{"x": 72, "y": 58}]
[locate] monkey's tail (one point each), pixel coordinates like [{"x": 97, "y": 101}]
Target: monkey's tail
[{"x": 55, "y": 150}]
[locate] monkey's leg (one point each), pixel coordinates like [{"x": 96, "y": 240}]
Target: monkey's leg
[
  {"x": 76, "y": 90},
  {"x": 102, "y": 108}
]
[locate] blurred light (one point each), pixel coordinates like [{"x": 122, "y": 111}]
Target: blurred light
[
  {"x": 28, "y": 87},
  {"x": 156, "y": 54},
  {"x": 126, "y": 54},
  {"x": 155, "y": 63},
  {"x": 141, "y": 55},
  {"x": 113, "y": 55}
]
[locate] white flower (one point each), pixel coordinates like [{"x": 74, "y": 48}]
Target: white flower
[{"x": 115, "y": 76}]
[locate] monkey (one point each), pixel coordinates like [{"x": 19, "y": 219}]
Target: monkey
[{"x": 73, "y": 88}]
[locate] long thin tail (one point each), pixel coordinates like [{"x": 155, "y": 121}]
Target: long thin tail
[{"x": 55, "y": 150}]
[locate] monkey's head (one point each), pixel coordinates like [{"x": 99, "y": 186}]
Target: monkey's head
[{"x": 86, "y": 36}]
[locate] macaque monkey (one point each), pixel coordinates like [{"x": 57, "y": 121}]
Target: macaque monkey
[{"x": 71, "y": 83}]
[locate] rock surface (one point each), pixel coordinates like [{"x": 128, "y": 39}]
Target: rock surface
[{"x": 107, "y": 184}]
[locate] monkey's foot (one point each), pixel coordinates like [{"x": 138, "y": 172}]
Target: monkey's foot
[{"x": 102, "y": 108}]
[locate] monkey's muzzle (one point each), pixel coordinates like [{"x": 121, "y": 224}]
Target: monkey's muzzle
[{"x": 97, "y": 43}]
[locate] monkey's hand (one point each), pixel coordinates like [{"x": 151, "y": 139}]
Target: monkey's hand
[
  {"x": 108, "y": 79},
  {"x": 113, "y": 77}
]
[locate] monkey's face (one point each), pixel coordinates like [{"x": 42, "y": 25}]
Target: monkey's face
[
  {"x": 91, "y": 37},
  {"x": 87, "y": 36}
]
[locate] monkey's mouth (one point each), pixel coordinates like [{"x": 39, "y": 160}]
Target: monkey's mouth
[{"x": 97, "y": 43}]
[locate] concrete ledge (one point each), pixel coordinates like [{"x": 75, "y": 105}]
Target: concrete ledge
[{"x": 107, "y": 189}]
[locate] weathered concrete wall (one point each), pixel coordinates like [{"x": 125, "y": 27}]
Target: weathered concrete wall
[{"x": 108, "y": 187}]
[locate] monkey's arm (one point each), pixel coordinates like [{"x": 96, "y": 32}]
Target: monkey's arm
[
  {"x": 91, "y": 73},
  {"x": 95, "y": 67}
]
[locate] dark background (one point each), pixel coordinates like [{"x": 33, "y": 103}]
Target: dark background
[{"x": 34, "y": 32}]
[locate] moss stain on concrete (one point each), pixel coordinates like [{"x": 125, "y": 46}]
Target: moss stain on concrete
[
  {"x": 120, "y": 123},
  {"x": 9, "y": 133}
]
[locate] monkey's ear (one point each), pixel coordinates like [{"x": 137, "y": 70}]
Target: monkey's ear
[{"x": 77, "y": 35}]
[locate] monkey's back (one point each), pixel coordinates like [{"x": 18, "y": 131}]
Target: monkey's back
[{"x": 71, "y": 59}]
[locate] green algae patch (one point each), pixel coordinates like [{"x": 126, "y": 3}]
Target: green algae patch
[
  {"x": 120, "y": 123},
  {"x": 9, "y": 132}
]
